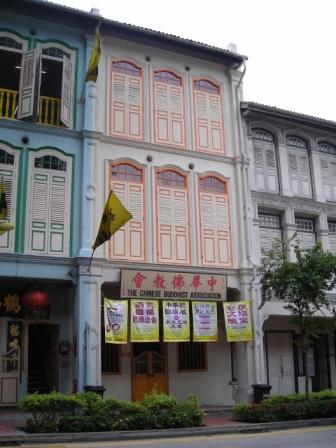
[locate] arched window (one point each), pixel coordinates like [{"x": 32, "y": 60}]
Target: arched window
[
  {"x": 172, "y": 217},
  {"x": 298, "y": 162},
  {"x": 328, "y": 169},
  {"x": 215, "y": 227},
  {"x": 49, "y": 193},
  {"x": 168, "y": 109},
  {"x": 127, "y": 181},
  {"x": 126, "y": 113},
  {"x": 265, "y": 164},
  {"x": 209, "y": 127},
  {"x": 8, "y": 179}
]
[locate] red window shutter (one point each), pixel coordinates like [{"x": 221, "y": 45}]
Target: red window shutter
[{"x": 215, "y": 229}]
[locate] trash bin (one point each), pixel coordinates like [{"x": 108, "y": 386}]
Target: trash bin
[
  {"x": 261, "y": 391},
  {"x": 96, "y": 389}
]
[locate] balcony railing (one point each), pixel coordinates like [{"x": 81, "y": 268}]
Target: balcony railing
[{"x": 48, "y": 111}]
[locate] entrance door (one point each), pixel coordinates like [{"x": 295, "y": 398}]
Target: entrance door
[
  {"x": 321, "y": 380},
  {"x": 149, "y": 369},
  {"x": 280, "y": 361},
  {"x": 43, "y": 358}
]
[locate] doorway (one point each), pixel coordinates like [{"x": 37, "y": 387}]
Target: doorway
[
  {"x": 149, "y": 369},
  {"x": 280, "y": 362},
  {"x": 43, "y": 358}
]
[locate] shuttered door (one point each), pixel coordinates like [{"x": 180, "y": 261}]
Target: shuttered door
[
  {"x": 49, "y": 214},
  {"x": 126, "y": 111},
  {"x": 66, "y": 95},
  {"x": 271, "y": 168},
  {"x": 306, "y": 240},
  {"x": 128, "y": 241},
  {"x": 209, "y": 121},
  {"x": 173, "y": 226},
  {"x": 215, "y": 229},
  {"x": 259, "y": 164},
  {"x": 8, "y": 173},
  {"x": 27, "y": 85},
  {"x": 327, "y": 188},
  {"x": 305, "y": 175},
  {"x": 268, "y": 237},
  {"x": 294, "y": 173},
  {"x": 169, "y": 114}
]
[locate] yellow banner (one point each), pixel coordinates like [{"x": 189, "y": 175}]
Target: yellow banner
[
  {"x": 176, "y": 322},
  {"x": 145, "y": 320},
  {"x": 115, "y": 321},
  {"x": 204, "y": 321},
  {"x": 238, "y": 321}
]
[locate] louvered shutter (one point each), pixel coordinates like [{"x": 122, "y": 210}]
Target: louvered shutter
[
  {"x": 306, "y": 240},
  {"x": 215, "y": 229},
  {"x": 128, "y": 241},
  {"x": 40, "y": 192},
  {"x": 326, "y": 179},
  {"x": 332, "y": 242},
  {"x": 268, "y": 237},
  {"x": 27, "y": 85},
  {"x": 169, "y": 114},
  {"x": 58, "y": 213},
  {"x": 271, "y": 167},
  {"x": 209, "y": 121},
  {"x": 304, "y": 175},
  {"x": 126, "y": 112},
  {"x": 173, "y": 228},
  {"x": 332, "y": 171},
  {"x": 66, "y": 95},
  {"x": 259, "y": 164},
  {"x": 294, "y": 172},
  {"x": 8, "y": 176}
]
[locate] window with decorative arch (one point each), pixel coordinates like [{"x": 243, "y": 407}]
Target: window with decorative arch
[
  {"x": 172, "y": 211},
  {"x": 265, "y": 163},
  {"x": 169, "y": 110},
  {"x": 128, "y": 182},
  {"x": 126, "y": 102},
  {"x": 9, "y": 161},
  {"x": 215, "y": 221},
  {"x": 36, "y": 84},
  {"x": 328, "y": 169},
  {"x": 49, "y": 193},
  {"x": 208, "y": 116},
  {"x": 298, "y": 162}
]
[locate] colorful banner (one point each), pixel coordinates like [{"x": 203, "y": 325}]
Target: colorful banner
[
  {"x": 115, "y": 320},
  {"x": 176, "y": 323},
  {"x": 145, "y": 321},
  {"x": 172, "y": 285},
  {"x": 238, "y": 321},
  {"x": 204, "y": 321}
]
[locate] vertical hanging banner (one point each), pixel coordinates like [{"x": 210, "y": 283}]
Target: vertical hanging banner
[
  {"x": 204, "y": 321},
  {"x": 176, "y": 322},
  {"x": 115, "y": 321},
  {"x": 145, "y": 320},
  {"x": 238, "y": 321},
  {"x": 14, "y": 338}
]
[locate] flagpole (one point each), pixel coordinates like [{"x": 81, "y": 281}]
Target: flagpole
[
  {"x": 90, "y": 262},
  {"x": 82, "y": 98}
]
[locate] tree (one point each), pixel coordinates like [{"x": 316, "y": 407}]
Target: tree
[{"x": 302, "y": 286}]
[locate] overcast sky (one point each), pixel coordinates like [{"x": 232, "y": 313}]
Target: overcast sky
[{"x": 290, "y": 44}]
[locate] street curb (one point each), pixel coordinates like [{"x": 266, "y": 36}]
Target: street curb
[{"x": 243, "y": 428}]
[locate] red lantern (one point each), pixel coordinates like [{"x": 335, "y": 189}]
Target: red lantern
[{"x": 35, "y": 300}]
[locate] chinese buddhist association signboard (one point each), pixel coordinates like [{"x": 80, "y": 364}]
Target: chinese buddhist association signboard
[{"x": 172, "y": 285}]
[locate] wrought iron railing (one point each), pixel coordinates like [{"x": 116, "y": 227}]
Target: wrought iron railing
[{"x": 48, "y": 111}]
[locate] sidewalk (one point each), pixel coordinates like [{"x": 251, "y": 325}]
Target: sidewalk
[{"x": 12, "y": 423}]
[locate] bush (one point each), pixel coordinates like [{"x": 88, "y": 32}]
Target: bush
[
  {"x": 290, "y": 407},
  {"x": 87, "y": 412}
]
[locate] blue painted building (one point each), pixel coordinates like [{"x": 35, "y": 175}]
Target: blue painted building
[{"x": 43, "y": 165}]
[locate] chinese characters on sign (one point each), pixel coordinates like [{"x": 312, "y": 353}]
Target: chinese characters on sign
[
  {"x": 172, "y": 285},
  {"x": 14, "y": 333},
  {"x": 238, "y": 321},
  {"x": 115, "y": 321},
  {"x": 11, "y": 306},
  {"x": 204, "y": 321},
  {"x": 176, "y": 325},
  {"x": 145, "y": 321}
]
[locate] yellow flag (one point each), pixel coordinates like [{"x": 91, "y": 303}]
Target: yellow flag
[
  {"x": 92, "y": 71},
  {"x": 115, "y": 216},
  {"x": 3, "y": 202}
]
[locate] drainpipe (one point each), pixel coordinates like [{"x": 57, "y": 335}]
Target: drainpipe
[{"x": 247, "y": 234}]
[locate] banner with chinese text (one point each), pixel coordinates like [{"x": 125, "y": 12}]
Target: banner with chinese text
[
  {"x": 238, "y": 321},
  {"x": 115, "y": 321},
  {"x": 172, "y": 285},
  {"x": 11, "y": 306},
  {"x": 14, "y": 341},
  {"x": 145, "y": 321},
  {"x": 204, "y": 321},
  {"x": 176, "y": 323}
]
